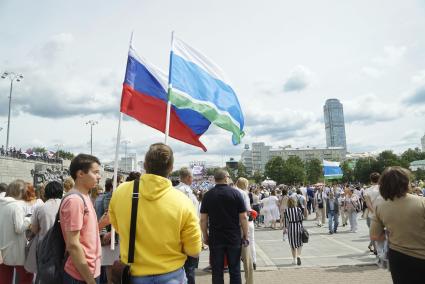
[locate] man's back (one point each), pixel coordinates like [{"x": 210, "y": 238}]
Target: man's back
[
  {"x": 167, "y": 225},
  {"x": 223, "y": 205}
]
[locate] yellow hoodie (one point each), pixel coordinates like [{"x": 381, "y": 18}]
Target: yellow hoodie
[{"x": 167, "y": 227}]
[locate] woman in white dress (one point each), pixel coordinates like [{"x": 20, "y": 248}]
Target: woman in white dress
[{"x": 271, "y": 210}]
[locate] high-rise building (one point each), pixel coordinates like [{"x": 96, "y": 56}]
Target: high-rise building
[
  {"x": 334, "y": 124},
  {"x": 423, "y": 143}
]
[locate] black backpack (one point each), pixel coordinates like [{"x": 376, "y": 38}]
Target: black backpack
[{"x": 51, "y": 254}]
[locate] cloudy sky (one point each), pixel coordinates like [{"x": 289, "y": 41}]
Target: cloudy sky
[{"x": 284, "y": 59}]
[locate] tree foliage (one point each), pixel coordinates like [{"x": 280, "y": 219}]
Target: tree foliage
[
  {"x": 313, "y": 170},
  {"x": 348, "y": 171},
  {"x": 275, "y": 169},
  {"x": 293, "y": 170},
  {"x": 257, "y": 177},
  {"x": 241, "y": 171},
  {"x": 65, "y": 155}
]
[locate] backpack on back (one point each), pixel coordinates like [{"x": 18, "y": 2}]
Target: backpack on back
[{"x": 51, "y": 255}]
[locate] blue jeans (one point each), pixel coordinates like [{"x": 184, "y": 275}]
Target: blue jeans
[
  {"x": 174, "y": 277},
  {"x": 68, "y": 279},
  {"x": 333, "y": 220},
  {"x": 189, "y": 268},
  {"x": 233, "y": 254}
]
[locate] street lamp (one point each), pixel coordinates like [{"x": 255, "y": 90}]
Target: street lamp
[
  {"x": 12, "y": 76},
  {"x": 91, "y": 123},
  {"x": 57, "y": 149},
  {"x": 125, "y": 142}
]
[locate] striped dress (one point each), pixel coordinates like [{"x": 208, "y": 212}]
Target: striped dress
[{"x": 293, "y": 223}]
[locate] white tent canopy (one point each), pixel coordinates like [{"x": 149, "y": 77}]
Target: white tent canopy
[{"x": 268, "y": 182}]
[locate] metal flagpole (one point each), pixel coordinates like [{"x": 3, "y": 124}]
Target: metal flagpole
[
  {"x": 117, "y": 148},
  {"x": 170, "y": 86}
]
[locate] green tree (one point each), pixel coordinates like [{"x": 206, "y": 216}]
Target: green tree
[
  {"x": 232, "y": 173},
  {"x": 364, "y": 167},
  {"x": 257, "y": 177},
  {"x": 211, "y": 171},
  {"x": 313, "y": 170},
  {"x": 411, "y": 155},
  {"x": 387, "y": 159},
  {"x": 274, "y": 169},
  {"x": 65, "y": 155},
  {"x": 242, "y": 171},
  {"x": 293, "y": 170},
  {"x": 419, "y": 174},
  {"x": 348, "y": 171}
]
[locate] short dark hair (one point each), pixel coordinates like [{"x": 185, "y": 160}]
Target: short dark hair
[
  {"x": 394, "y": 182},
  {"x": 220, "y": 174},
  {"x": 132, "y": 176},
  {"x": 82, "y": 162},
  {"x": 374, "y": 177},
  {"x": 53, "y": 190},
  {"x": 109, "y": 184},
  {"x": 3, "y": 187},
  {"x": 159, "y": 160}
]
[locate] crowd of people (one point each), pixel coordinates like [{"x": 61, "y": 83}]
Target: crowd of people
[
  {"x": 13, "y": 152},
  {"x": 160, "y": 228}
]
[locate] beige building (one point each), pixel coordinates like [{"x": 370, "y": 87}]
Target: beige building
[{"x": 256, "y": 158}]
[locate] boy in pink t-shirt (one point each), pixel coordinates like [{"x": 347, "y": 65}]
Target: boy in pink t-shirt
[{"x": 79, "y": 223}]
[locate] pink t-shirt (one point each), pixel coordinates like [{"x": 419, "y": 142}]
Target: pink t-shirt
[{"x": 74, "y": 217}]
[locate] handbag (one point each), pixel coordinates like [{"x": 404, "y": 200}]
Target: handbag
[
  {"x": 304, "y": 235},
  {"x": 120, "y": 270}
]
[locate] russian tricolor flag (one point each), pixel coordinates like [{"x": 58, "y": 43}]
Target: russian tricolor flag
[{"x": 144, "y": 97}]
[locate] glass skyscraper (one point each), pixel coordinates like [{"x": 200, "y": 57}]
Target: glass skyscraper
[{"x": 334, "y": 124}]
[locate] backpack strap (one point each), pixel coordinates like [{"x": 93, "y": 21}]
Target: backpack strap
[{"x": 134, "y": 205}]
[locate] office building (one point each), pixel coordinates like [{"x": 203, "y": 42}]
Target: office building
[{"x": 334, "y": 124}]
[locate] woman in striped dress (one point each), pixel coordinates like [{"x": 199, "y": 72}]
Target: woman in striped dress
[{"x": 293, "y": 227}]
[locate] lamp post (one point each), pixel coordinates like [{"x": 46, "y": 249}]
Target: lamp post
[
  {"x": 91, "y": 123},
  {"x": 58, "y": 146},
  {"x": 12, "y": 76},
  {"x": 125, "y": 142}
]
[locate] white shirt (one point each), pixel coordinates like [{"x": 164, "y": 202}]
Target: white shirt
[
  {"x": 189, "y": 193},
  {"x": 373, "y": 193}
]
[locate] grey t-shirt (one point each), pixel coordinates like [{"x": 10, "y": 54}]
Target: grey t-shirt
[{"x": 44, "y": 216}]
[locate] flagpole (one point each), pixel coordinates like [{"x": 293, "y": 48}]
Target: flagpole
[
  {"x": 170, "y": 86},
  {"x": 117, "y": 149}
]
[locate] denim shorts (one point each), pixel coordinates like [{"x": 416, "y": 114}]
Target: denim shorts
[{"x": 174, "y": 277}]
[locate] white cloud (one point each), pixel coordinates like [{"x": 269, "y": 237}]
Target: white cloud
[
  {"x": 369, "y": 109},
  {"x": 372, "y": 72},
  {"x": 299, "y": 79},
  {"x": 391, "y": 56}
]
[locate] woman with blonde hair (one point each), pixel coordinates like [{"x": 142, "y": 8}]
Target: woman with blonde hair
[
  {"x": 242, "y": 184},
  {"x": 293, "y": 227},
  {"x": 68, "y": 184}
]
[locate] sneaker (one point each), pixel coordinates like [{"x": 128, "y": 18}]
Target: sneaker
[
  {"x": 298, "y": 261},
  {"x": 294, "y": 261},
  {"x": 335, "y": 231},
  {"x": 207, "y": 269},
  {"x": 226, "y": 269},
  {"x": 255, "y": 266},
  {"x": 330, "y": 232}
]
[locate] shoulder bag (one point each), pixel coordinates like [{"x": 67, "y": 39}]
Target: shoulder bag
[
  {"x": 120, "y": 270},
  {"x": 304, "y": 233}
]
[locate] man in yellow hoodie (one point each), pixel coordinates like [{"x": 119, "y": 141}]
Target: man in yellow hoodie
[{"x": 167, "y": 225}]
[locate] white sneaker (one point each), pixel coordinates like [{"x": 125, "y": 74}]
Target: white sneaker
[{"x": 294, "y": 261}]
